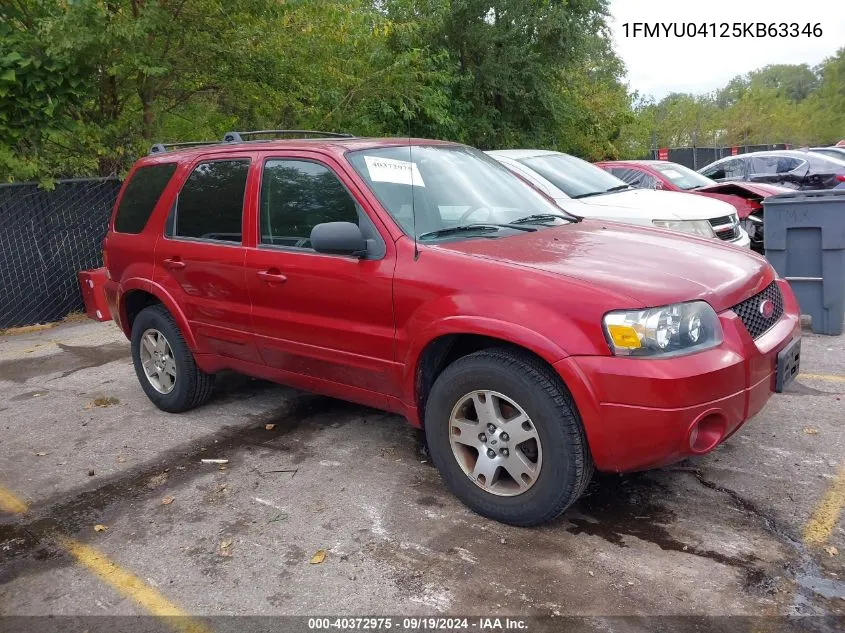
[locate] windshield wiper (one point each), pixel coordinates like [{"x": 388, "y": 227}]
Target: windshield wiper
[
  {"x": 540, "y": 217},
  {"x": 601, "y": 193},
  {"x": 483, "y": 227}
]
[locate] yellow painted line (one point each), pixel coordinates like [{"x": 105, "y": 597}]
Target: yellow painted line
[
  {"x": 131, "y": 586},
  {"x": 821, "y": 524},
  {"x": 829, "y": 377},
  {"x": 9, "y": 502},
  {"x": 109, "y": 572}
]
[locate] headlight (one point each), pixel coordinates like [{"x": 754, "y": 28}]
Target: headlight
[
  {"x": 695, "y": 227},
  {"x": 673, "y": 330}
]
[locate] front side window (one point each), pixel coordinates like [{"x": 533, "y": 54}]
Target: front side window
[
  {"x": 297, "y": 195},
  {"x": 210, "y": 205},
  {"x": 733, "y": 169},
  {"x": 436, "y": 191},
  {"x": 140, "y": 196},
  {"x": 575, "y": 177}
]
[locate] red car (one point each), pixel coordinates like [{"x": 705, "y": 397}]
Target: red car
[
  {"x": 746, "y": 197},
  {"x": 425, "y": 279}
]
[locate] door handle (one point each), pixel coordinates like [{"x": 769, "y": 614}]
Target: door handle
[
  {"x": 272, "y": 275},
  {"x": 174, "y": 263}
]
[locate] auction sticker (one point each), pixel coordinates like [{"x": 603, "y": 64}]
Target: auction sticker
[{"x": 399, "y": 172}]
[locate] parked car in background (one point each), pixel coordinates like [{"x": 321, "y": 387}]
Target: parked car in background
[
  {"x": 745, "y": 197},
  {"x": 831, "y": 152},
  {"x": 789, "y": 168},
  {"x": 588, "y": 191},
  {"x": 423, "y": 278}
]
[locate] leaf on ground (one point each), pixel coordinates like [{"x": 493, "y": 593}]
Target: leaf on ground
[
  {"x": 167, "y": 501},
  {"x": 104, "y": 401},
  {"x": 319, "y": 557},
  {"x": 40, "y": 454},
  {"x": 269, "y": 427},
  {"x": 832, "y": 550},
  {"x": 225, "y": 548},
  {"x": 809, "y": 430},
  {"x": 100, "y": 527}
]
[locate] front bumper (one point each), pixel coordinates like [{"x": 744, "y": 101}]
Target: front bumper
[
  {"x": 743, "y": 240},
  {"x": 641, "y": 413}
]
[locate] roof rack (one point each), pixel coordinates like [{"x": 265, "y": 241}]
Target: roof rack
[
  {"x": 238, "y": 137},
  {"x": 160, "y": 148}
]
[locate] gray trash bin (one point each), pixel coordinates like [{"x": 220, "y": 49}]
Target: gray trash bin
[{"x": 805, "y": 242}]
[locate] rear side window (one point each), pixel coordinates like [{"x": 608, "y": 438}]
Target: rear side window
[
  {"x": 140, "y": 197},
  {"x": 211, "y": 203}
]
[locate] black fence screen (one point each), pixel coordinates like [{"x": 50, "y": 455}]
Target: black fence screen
[
  {"x": 698, "y": 157},
  {"x": 46, "y": 237}
]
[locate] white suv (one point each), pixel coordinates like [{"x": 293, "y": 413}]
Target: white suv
[{"x": 588, "y": 191}]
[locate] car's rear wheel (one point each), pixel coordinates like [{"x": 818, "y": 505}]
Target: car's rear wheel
[
  {"x": 165, "y": 365},
  {"x": 506, "y": 437}
]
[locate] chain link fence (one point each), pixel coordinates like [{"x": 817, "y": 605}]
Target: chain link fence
[{"x": 46, "y": 237}]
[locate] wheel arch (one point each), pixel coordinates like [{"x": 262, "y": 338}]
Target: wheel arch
[
  {"x": 137, "y": 296},
  {"x": 442, "y": 349}
]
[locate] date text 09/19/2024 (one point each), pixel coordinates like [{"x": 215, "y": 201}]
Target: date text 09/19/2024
[{"x": 418, "y": 624}]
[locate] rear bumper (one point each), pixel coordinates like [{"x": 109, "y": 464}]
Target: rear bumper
[{"x": 642, "y": 414}]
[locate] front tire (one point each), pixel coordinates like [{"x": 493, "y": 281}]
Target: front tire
[
  {"x": 164, "y": 365},
  {"x": 506, "y": 437}
]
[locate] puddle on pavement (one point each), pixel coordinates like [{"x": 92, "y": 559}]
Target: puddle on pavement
[
  {"x": 618, "y": 506},
  {"x": 29, "y": 395},
  {"x": 70, "y": 360},
  {"x": 307, "y": 412}
]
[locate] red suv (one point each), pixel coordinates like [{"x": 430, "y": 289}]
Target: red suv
[{"x": 423, "y": 278}]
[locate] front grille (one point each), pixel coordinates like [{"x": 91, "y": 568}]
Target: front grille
[
  {"x": 749, "y": 310},
  {"x": 726, "y": 227}
]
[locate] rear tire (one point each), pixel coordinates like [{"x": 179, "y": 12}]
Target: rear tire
[
  {"x": 525, "y": 483},
  {"x": 164, "y": 365}
]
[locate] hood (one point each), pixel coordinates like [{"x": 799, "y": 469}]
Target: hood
[
  {"x": 652, "y": 266},
  {"x": 737, "y": 188},
  {"x": 656, "y": 205}
]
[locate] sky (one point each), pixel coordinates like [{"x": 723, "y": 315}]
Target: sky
[{"x": 658, "y": 66}]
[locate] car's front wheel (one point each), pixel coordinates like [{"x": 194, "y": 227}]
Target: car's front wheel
[
  {"x": 506, "y": 437},
  {"x": 165, "y": 365}
]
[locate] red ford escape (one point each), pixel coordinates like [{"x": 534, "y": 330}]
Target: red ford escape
[{"x": 423, "y": 278}]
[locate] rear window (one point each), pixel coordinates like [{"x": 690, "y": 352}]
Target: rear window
[{"x": 140, "y": 197}]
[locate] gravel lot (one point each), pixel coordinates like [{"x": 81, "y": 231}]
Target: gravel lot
[{"x": 724, "y": 534}]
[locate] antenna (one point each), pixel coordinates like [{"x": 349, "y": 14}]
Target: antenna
[{"x": 413, "y": 205}]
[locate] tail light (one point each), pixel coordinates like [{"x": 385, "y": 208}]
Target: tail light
[{"x": 840, "y": 177}]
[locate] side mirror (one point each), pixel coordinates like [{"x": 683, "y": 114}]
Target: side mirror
[{"x": 338, "y": 238}]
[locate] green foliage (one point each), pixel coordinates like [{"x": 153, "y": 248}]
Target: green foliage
[
  {"x": 88, "y": 85},
  {"x": 792, "y": 104}
]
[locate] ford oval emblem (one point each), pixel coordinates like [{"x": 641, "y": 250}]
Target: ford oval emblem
[{"x": 766, "y": 308}]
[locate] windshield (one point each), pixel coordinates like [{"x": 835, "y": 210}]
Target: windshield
[
  {"x": 453, "y": 186},
  {"x": 683, "y": 177},
  {"x": 575, "y": 177}
]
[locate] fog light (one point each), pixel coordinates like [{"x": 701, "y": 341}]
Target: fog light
[{"x": 706, "y": 432}]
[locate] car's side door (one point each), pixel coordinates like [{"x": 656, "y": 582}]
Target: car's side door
[
  {"x": 199, "y": 260},
  {"x": 326, "y": 317}
]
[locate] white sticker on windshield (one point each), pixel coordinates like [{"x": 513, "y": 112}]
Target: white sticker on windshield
[
  {"x": 399, "y": 172},
  {"x": 671, "y": 174}
]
